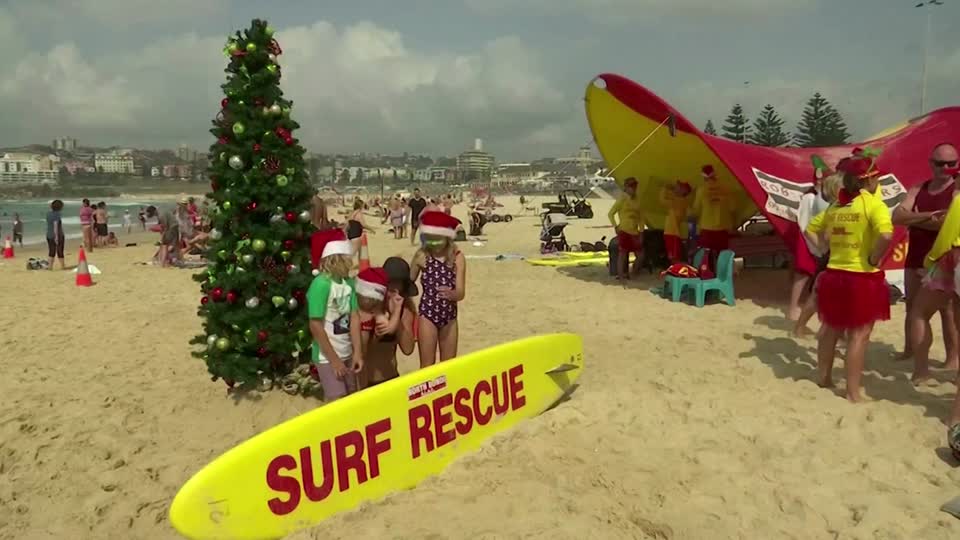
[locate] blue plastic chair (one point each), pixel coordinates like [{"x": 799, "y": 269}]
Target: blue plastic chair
[
  {"x": 674, "y": 285},
  {"x": 723, "y": 283}
]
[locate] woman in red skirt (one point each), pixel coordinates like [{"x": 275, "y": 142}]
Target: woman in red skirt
[{"x": 852, "y": 292}]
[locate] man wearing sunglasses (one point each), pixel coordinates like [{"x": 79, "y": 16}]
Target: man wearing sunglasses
[{"x": 922, "y": 212}]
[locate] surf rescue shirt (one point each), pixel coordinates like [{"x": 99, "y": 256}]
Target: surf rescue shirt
[
  {"x": 333, "y": 301},
  {"x": 713, "y": 206},
  {"x": 677, "y": 208},
  {"x": 853, "y": 230},
  {"x": 630, "y": 214}
]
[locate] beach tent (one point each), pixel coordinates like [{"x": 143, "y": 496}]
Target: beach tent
[
  {"x": 622, "y": 114},
  {"x": 597, "y": 192}
]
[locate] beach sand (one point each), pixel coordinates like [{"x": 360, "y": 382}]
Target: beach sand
[{"x": 689, "y": 423}]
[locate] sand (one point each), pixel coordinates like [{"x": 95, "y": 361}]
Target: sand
[{"x": 689, "y": 424}]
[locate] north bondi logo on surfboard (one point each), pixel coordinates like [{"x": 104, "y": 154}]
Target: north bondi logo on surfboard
[
  {"x": 783, "y": 196},
  {"x": 426, "y": 388}
]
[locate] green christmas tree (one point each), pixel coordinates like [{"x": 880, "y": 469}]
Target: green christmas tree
[
  {"x": 820, "y": 125},
  {"x": 736, "y": 127},
  {"x": 709, "y": 129},
  {"x": 253, "y": 304},
  {"x": 768, "y": 129}
]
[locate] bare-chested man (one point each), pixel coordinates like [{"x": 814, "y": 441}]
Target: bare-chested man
[{"x": 922, "y": 212}]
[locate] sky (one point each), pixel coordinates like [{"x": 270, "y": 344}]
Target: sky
[{"x": 429, "y": 76}]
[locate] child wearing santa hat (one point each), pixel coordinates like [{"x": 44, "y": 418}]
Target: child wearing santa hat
[
  {"x": 675, "y": 199},
  {"x": 852, "y": 292},
  {"x": 337, "y": 352},
  {"x": 442, "y": 269},
  {"x": 386, "y": 322}
]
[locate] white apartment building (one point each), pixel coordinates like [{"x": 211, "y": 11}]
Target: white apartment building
[
  {"x": 29, "y": 169},
  {"x": 114, "y": 163},
  {"x": 66, "y": 144}
]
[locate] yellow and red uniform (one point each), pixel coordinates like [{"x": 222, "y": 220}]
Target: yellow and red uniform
[
  {"x": 630, "y": 228},
  {"x": 675, "y": 225},
  {"x": 713, "y": 206}
]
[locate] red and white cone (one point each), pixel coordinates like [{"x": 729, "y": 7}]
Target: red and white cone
[
  {"x": 8, "y": 249},
  {"x": 83, "y": 272},
  {"x": 364, "y": 253}
]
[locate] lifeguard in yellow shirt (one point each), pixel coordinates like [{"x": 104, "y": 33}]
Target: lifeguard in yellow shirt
[
  {"x": 630, "y": 227},
  {"x": 852, "y": 293},
  {"x": 676, "y": 199},
  {"x": 713, "y": 206}
]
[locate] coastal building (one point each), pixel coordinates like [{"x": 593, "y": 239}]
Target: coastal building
[
  {"x": 65, "y": 144},
  {"x": 74, "y": 166},
  {"x": 117, "y": 163},
  {"x": 431, "y": 174},
  {"x": 475, "y": 164},
  {"x": 584, "y": 158},
  {"x": 29, "y": 169},
  {"x": 513, "y": 173},
  {"x": 186, "y": 154}
]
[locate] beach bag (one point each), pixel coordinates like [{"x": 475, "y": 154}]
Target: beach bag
[{"x": 37, "y": 264}]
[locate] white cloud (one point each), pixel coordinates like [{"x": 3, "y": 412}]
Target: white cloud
[
  {"x": 358, "y": 87},
  {"x": 629, "y": 11}
]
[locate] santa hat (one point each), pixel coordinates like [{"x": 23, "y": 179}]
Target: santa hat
[
  {"x": 326, "y": 243},
  {"x": 439, "y": 224},
  {"x": 684, "y": 186},
  {"x": 372, "y": 283},
  {"x": 708, "y": 172},
  {"x": 862, "y": 164}
]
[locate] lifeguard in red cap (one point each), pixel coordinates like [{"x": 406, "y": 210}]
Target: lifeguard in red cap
[
  {"x": 676, "y": 198},
  {"x": 852, "y": 292},
  {"x": 630, "y": 227},
  {"x": 714, "y": 210}
]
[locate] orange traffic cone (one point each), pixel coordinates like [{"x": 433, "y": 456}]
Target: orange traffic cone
[
  {"x": 8, "y": 249},
  {"x": 364, "y": 253},
  {"x": 83, "y": 273}
]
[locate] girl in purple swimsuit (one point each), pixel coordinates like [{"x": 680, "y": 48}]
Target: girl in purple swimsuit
[{"x": 442, "y": 269}]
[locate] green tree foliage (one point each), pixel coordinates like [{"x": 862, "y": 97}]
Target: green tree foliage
[
  {"x": 253, "y": 305},
  {"x": 709, "y": 129},
  {"x": 768, "y": 129},
  {"x": 820, "y": 125},
  {"x": 736, "y": 127}
]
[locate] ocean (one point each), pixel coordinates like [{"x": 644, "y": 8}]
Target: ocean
[{"x": 33, "y": 212}]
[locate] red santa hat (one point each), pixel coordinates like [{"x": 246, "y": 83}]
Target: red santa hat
[
  {"x": 708, "y": 172},
  {"x": 439, "y": 224},
  {"x": 326, "y": 243},
  {"x": 685, "y": 187},
  {"x": 372, "y": 283}
]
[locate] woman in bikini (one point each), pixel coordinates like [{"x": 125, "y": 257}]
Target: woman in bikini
[{"x": 356, "y": 225}]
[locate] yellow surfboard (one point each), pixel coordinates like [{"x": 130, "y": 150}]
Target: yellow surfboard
[
  {"x": 595, "y": 261},
  {"x": 375, "y": 442}
]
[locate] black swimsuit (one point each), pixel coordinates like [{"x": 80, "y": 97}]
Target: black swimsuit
[{"x": 354, "y": 229}]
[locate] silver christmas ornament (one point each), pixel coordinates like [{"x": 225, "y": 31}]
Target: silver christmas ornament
[
  {"x": 252, "y": 302},
  {"x": 236, "y": 163},
  {"x": 292, "y": 304}
]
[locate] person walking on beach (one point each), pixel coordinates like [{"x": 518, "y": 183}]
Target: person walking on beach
[
  {"x": 17, "y": 229},
  {"x": 852, "y": 292},
  {"x": 86, "y": 225},
  {"x": 142, "y": 216},
  {"x": 922, "y": 211},
  {"x": 56, "y": 239},
  {"x": 127, "y": 221},
  {"x": 416, "y": 204}
]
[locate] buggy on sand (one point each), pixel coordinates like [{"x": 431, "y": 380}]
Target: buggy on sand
[{"x": 570, "y": 202}]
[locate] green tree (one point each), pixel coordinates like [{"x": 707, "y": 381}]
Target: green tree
[
  {"x": 253, "y": 305},
  {"x": 709, "y": 129},
  {"x": 820, "y": 125},
  {"x": 768, "y": 129},
  {"x": 736, "y": 127}
]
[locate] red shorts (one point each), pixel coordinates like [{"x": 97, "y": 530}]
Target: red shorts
[
  {"x": 715, "y": 241},
  {"x": 674, "y": 247},
  {"x": 847, "y": 300},
  {"x": 629, "y": 243}
]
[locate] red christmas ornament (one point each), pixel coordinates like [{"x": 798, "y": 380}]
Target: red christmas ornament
[
  {"x": 256, "y": 147},
  {"x": 217, "y": 294},
  {"x": 283, "y": 133},
  {"x": 262, "y": 352},
  {"x": 223, "y": 140},
  {"x": 262, "y": 336},
  {"x": 232, "y": 297},
  {"x": 252, "y": 206},
  {"x": 299, "y": 294},
  {"x": 289, "y": 141},
  {"x": 224, "y": 102},
  {"x": 289, "y": 244},
  {"x": 204, "y": 300},
  {"x": 290, "y": 217}
]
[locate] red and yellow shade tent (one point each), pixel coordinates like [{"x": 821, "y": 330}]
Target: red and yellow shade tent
[{"x": 621, "y": 113}]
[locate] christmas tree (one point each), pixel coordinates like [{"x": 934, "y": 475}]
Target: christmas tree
[
  {"x": 253, "y": 303},
  {"x": 768, "y": 129},
  {"x": 736, "y": 126},
  {"x": 709, "y": 129}
]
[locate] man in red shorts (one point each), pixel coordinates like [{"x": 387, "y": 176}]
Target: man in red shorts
[
  {"x": 714, "y": 210},
  {"x": 630, "y": 229}
]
